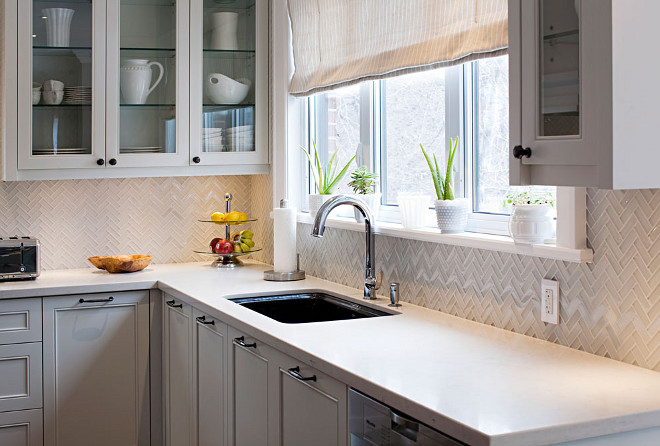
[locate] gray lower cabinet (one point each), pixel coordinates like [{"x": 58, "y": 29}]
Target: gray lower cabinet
[
  {"x": 20, "y": 376},
  {"x": 21, "y": 428},
  {"x": 177, "y": 372},
  {"x": 249, "y": 389},
  {"x": 209, "y": 380},
  {"x": 96, "y": 369}
]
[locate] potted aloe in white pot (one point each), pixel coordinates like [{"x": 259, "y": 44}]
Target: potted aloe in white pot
[
  {"x": 363, "y": 182},
  {"x": 451, "y": 212},
  {"x": 531, "y": 220},
  {"x": 326, "y": 178}
]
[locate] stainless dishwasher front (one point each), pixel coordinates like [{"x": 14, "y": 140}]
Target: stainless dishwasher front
[{"x": 372, "y": 423}]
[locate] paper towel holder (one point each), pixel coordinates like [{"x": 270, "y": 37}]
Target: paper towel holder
[{"x": 298, "y": 274}]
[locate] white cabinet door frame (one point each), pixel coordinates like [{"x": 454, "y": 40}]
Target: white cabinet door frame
[
  {"x": 261, "y": 82},
  {"x": 180, "y": 158},
  {"x": 24, "y": 95}
]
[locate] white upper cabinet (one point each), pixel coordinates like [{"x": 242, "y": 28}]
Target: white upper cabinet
[
  {"x": 580, "y": 111},
  {"x": 134, "y": 88}
]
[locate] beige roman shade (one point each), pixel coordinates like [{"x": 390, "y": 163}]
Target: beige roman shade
[{"x": 341, "y": 42}]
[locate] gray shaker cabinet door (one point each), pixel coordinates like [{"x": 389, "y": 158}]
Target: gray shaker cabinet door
[
  {"x": 21, "y": 428},
  {"x": 96, "y": 369},
  {"x": 249, "y": 385},
  {"x": 210, "y": 380},
  {"x": 177, "y": 356},
  {"x": 20, "y": 376}
]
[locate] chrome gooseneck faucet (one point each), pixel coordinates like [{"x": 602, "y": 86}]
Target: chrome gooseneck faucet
[{"x": 372, "y": 280}]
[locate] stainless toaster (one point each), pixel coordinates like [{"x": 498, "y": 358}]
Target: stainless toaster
[{"x": 20, "y": 258}]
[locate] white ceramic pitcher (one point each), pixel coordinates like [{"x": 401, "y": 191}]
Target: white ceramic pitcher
[{"x": 135, "y": 80}]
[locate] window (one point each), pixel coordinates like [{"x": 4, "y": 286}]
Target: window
[{"x": 385, "y": 122}]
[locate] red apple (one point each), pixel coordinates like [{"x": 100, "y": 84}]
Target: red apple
[
  {"x": 224, "y": 246},
  {"x": 214, "y": 242}
]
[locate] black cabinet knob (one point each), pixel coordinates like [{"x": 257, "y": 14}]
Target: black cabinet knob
[
  {"x": 196, "y": 160},
  {"x": 112, "y": 161},
  {"x": 519, "y": 152},
  {"x": 100, "y": 161}
]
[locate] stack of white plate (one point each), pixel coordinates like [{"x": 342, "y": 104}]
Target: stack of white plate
[
  {"x": 240, "y": 139},
  {"x": 60, "y": 151},
  {"x": 78, "y": 95},
  {"x": 212, "y": 139},
  {"x": 124, "y": 150}
]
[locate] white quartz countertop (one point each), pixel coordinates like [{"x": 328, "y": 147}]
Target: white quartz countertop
[{"x": 480, "y": 384}]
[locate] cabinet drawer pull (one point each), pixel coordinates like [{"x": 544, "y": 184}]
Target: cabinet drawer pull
[
  {"x": 241, "y": 341},
  {"x": 202, "y": 320},
  {"x": 519, "y": 152},
  {"x": 95, "y": 301},
  {"x": 172, "y": 304},
  {"x": 295, "y": 372}
]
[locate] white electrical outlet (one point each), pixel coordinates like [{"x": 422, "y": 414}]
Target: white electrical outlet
[{"x": 550, "y": 301}]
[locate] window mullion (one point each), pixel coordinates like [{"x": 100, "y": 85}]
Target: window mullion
[
  {"x": 364, "y": 157},
  {"x": 454, "y": 122}
]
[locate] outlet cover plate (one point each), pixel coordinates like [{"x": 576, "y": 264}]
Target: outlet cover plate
[{"x": 550, "y": 301}]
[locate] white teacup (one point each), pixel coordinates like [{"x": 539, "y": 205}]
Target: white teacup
[
  {"x": 36, "y": 96},
  {"x": 53, "y": 97},
  {"x": 36, "y": 86},
  {"x": 53, "y": 85}
]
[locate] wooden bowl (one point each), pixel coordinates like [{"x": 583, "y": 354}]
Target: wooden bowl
[{"x": 121, "y": 264}]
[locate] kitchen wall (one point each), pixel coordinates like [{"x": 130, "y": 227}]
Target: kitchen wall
[
  {"x": 610, "y": 307},
  {"x": 76, "y": 219}
]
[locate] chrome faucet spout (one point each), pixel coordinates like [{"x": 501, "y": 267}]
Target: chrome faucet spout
[{"x": 371, "y": 279}]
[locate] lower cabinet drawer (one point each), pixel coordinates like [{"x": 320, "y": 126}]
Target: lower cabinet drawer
[
  {"x": 22, "y": 428},
  {"x": 20, "y": 377},
  {"x": 20, "y": 320}
]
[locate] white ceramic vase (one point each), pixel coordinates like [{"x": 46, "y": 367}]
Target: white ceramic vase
[
  {"x": 135, "y": 80},
  {"x": 316, "y": 201},
  {"x": 531, "y": 223},
  {"x": 373, "y": 201},
  {"x": 58, "y": 26},
  {"x": 225, "y": 25},
  {"x": 452, "y": 215},
  {"x": 413, "y": 209}
]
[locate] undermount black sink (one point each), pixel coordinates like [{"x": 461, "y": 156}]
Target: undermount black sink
[{"x": 307, "y": 307}]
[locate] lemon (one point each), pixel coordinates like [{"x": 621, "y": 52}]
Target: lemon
[{"x": 217, "y": 216}]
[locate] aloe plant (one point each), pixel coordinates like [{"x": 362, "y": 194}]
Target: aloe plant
[
  {"x": 326, "y": 177},
  {"x": 443, "y": 184},
  {"x": 363, "y": 181}
]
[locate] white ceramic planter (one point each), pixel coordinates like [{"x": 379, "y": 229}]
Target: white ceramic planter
[
  {"x": 373, "y": 201},
  {"x": 452, "y": 215},
  {"x": 531, "y": 223},
  {"x": 316, "y": 201}
]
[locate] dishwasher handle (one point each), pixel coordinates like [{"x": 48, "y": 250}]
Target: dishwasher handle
[{"x": 404, "y": 426}]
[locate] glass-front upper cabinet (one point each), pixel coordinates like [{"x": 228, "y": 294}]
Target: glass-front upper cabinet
[
  {"x": 147, "y": 83},
  {"x": 61, "y": 84},
  {"x": 229, "y": 79},
  {"x": 557, "y": 78}
]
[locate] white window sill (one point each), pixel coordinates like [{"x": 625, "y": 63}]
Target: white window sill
[{"x": 467, "y": 239}]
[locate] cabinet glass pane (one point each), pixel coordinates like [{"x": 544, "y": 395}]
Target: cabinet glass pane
[
  {"x": 228, "y": 76},
  {"x": 61, "y": 77},
  {"x": 559, "y": 68},
  {"x": 147, "y": 117}
]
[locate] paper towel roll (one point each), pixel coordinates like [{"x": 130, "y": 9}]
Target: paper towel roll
[{"x": 284, "y": 234}]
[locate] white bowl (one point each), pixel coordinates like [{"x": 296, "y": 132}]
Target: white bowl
[
  {"x": 225, "y": 90},
  {"x": 36, "y": 96}
]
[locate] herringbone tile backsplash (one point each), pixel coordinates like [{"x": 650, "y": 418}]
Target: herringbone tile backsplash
[
  {"x": 76, "y": 219},
  {"x": 610, "y": 307}
]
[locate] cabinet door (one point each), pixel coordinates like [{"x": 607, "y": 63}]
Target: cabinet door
[
  {"x": 560, "y": 87},
  {"x": 96, "y": 369},
  {"x": 210, "y": 380},
  {"x": 312, "y": 407},
  {"x": 177, "y": 369},
  {"x": 229, "y": 75},
  {"x": 148, "y": 83},
  {"x": 20, "y": 320},
  {"x": 22, "y": 428},
  {"x": 20, "y": 369},
  {"x": 61, "y": 84},
  {"x": 249, "y": 387}
]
